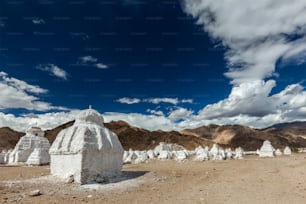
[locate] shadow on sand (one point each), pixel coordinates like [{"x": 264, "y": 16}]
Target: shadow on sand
[{"x": 127, "y": 175}]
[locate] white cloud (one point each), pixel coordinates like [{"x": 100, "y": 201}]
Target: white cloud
[
  {"x": 255, "y": 33},
  {"x": 126, "y": 100},
  {"x": 155, "y": 112},
  {"x": 187, "y": 101},
  {"x": 20, "y": 85},
  {"x": 15, "y": 93},
  {"x": 247, "y": 98},
  {"x": 88, "y": 59},
  {"x": 92, "y": 61},
  {"x": 38, "y": 21},
  {"x": 53, "y": 70},
  {"x": 45, "y": 121},
  {"x": 173, "y": 101},
  {"x": 285, "y": 106},
  {"x": 252, "y": 104},
  {"x": 149, "y": 122},
  {"x": 180, "y": 114},
  {"x": 52, "y": 120},
  {"x": 101, "y": 66}
]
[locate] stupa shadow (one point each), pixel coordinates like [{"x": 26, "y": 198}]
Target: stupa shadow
[{"x": 127, "y": 175}]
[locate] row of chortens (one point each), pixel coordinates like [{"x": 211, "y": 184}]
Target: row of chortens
[{"x": 88, "y": 152}]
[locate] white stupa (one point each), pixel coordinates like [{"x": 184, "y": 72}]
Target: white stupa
[
  {"x": 266, "y": 150},
  {"x": 287, "y": 151},
  {"x": 180, "y": 155},
  {"x": 214, "y": 152},
  {"x": 201, "y": 154},
  {"x": 239, "y": 153},
  {"x": 87, "y": 150},
  {"x": 34, "y": 138},
  {"x": 39, "y": 156},
  {"x": 278, "y": 152}
]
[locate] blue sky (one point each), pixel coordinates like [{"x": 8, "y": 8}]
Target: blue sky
[{"x": 155, "y": 64}]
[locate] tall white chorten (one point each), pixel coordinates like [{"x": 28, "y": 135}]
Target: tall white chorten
[
  {"x": 87, "y": 150},
  {"x": 266, "y": 150}
]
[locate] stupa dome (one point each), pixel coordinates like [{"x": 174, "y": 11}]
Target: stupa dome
[
  {"x": 35, "y": 131},
  {"x": 90, "y": 116}
]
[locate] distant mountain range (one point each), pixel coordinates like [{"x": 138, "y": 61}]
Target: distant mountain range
[
  {"x": 280, "y": 135},
  {"x": 296, "y": 124}
]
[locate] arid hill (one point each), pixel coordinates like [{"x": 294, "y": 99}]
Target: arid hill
[
  {"x": 51, "y": 134},
  {"x": 226, "y": 135},
  {"x": 296, "y": 124},
  {"x": 9, "y": 138},
  {"x": 251, "y": 139},
  {"x": 140, "y": 139}
]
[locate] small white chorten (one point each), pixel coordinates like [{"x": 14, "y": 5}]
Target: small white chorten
[
  {"x": 287, "y": 151},
  {"x": 38, "y": 157},
  {"x": 34, "y": 138},
  {"x": 238, "y": 153},
  {"x": 266, "y": 150},
  {"x": 87, "y": 150},
  {"x": 278, "y": 152}
]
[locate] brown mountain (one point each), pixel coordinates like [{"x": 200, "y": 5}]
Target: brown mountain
[
  {"x": 141, "y": 139},
  {"x": 51, "y": 134},
  {"x": 8, "y": 138},
  {"x": 227, "y": 136},
  {"x": 251, "y": 139},
  {"x": 129, "y": 136}
]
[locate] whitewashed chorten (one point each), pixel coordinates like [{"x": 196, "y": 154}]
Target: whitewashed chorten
[
  {"x": 87, "y": 150},
  {"x": 266, "y": 150},
  {"x": 34, "y": 138}
]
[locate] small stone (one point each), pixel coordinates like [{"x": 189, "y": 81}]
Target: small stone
[
  {"x": 89, "y": 196},
  {"x": 70, "y": 179},
  {"x": 35, "y": 193}
]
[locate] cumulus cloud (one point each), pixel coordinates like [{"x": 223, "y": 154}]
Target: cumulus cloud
[
  {"x": 101, "y": 66},
  {"x": 88, "y": 59},
  {"x": 53, "y": 70},
  {"x": 252, "y": 104},
  {"x": 126, "y": 100},
  {"x": 256, "y": 34},
  {"x": 38, "y": 21},
  {"x": 45, "y": 121},
  {"x": 15, "y": 93},
  {"x": 179, "y": 118},
  {"x": 187, "y": 101},
  {"x": 180, "y": 114},
  {"x": 149, "y": 122},
  {"x": 92, "y": 61},
  {"x": 173, "y": 101},
  {"x": 52, "y": 120},
  {"x": 248, "y": 98},
  {"x": 155, "y": 112}
]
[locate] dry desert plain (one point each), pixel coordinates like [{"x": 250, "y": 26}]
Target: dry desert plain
[{"x": 251, "y": 180}]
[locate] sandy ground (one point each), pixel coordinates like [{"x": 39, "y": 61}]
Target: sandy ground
[{"x": 252, "y": 180}]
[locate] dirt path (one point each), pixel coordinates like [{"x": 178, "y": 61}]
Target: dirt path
[{"x": 252, "y": 180}]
